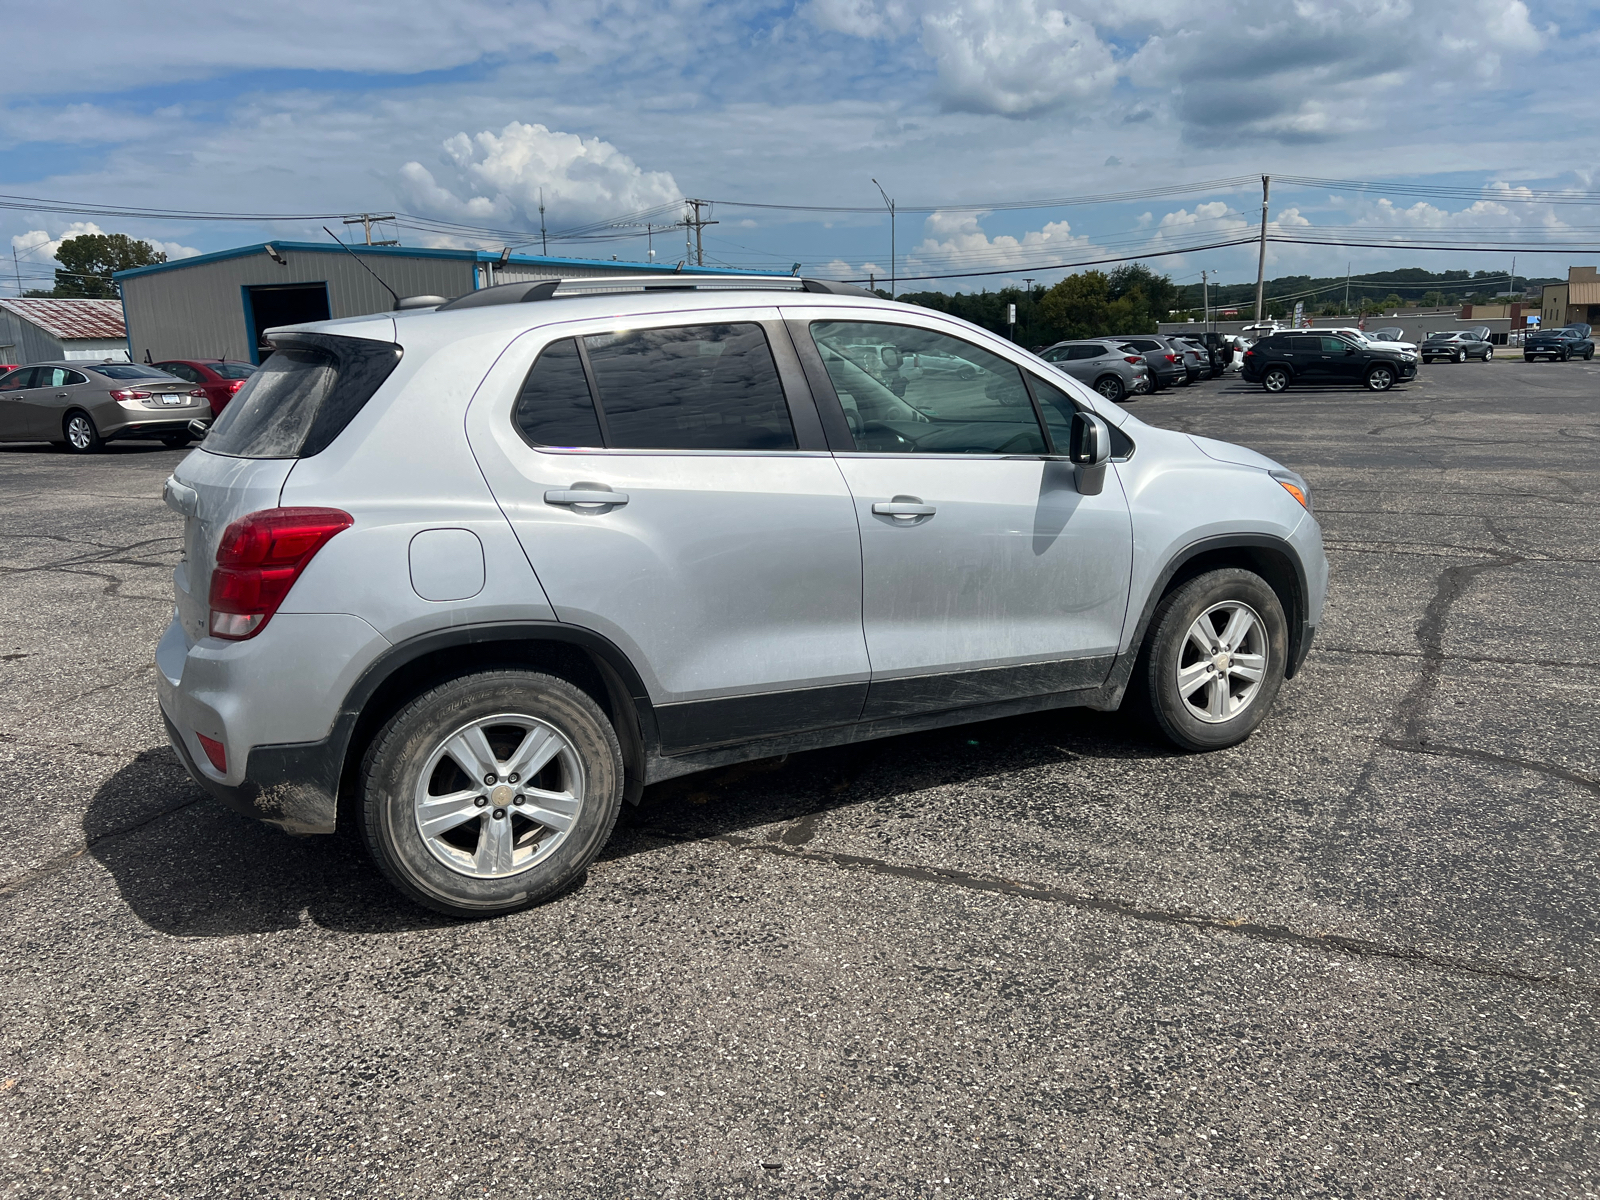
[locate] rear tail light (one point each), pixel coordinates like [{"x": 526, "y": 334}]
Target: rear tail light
[
  {"x": 259, "y": 559},
  {"x": 215, "y": 751},
  {"x": 1172, "y": 358},
  {"x": 1132, "y": 358},
  {"x": 200, "y": 392},
  {"x": 236, "y": 384},
  {"x": 130, "y": 394}
]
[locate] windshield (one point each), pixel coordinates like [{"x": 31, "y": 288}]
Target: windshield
[{"x": 130, "y": 371}]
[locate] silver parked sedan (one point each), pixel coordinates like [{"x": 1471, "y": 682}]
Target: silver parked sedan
[{"x": 81, "y": 406}]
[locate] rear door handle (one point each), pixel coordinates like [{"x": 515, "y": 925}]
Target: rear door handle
[
  {"x": 903, "y": 509},
  {"x": 575, "y": 496}
]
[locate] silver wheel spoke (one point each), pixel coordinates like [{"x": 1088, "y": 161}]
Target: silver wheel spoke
[
  {"x": 441, "y": 814},
  {"x": 1239, "y": 624},
  {"x": 1204, "y": 637},
  {"x": 1250, "y": 666},
  {"x": 494, "y": 847},
  {"x": 1192, "y": 677},
  {"x": 558, "y": 810},
  {"x": 470, "y": 749},
  {"x": 534, "y": 753},
  {"x": 1218, "y": 698}
]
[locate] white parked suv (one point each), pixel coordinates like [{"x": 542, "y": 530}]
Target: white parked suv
[{"x": 472, "y": 577}]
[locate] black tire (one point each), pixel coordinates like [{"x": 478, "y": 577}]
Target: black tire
[
  {"x": 1276, "y": 379},
  {"x": 79, "y": 431},
  {"x": 1527, "y": 358},
  {"x": 391, "y": 780},
  {"x": 1460, "y": 356},
  {"x": 1562, "y": 357},
  {"x": 1168, "y": 647},
  {"x": 1588, "y": 354},
  {"x": 1111, "y": 387},
  {"x": 1488, "y": 354},
  {"x": 1380, "y": 378},
  {"x": 176, "y": 441}
]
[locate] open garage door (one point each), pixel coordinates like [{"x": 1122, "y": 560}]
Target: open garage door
[{"x": 281, "y": 304}]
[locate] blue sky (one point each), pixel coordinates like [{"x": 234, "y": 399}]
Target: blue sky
[{"x": 463, "y": 113}]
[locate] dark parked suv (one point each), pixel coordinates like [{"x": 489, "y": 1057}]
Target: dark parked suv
[
  {"x": 1286, "y": 359},
  {"x": 1558, "y": 345}
]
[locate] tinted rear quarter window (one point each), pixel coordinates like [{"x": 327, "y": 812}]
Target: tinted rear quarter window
[
  {"x": 303, "y": 397},
  {"x": 554, "y": 407}
]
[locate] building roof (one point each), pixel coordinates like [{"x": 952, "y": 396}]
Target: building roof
[
  {"x": 1586, "y": 291},
  {"x": 475, "y": 256},
  {"x": 70, "y": 319}
]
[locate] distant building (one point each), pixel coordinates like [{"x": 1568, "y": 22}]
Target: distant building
[
  {"x": 41, "y": 329},
  {"x": 1575, "y": 301},
  {"x": 221, "y": 305}
]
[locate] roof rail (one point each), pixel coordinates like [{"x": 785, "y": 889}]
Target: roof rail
[{"x": 549, "y": 289}]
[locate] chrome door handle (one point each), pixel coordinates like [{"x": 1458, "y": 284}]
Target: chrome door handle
[
  {"x": 903, "y": 509},
  {"x": 573, "y": 496},
  {"x": 63, "y": 396}
]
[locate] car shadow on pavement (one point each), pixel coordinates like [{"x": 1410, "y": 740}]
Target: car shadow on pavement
[
  {"x": 190, "y": 867},
  {"x": 881, "y": 773}
]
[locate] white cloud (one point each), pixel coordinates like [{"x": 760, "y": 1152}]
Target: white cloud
[
  {"x": 957, "y": 242},
  {"x": 38, "y": 245},
  {"x": 498, "y": 177}
]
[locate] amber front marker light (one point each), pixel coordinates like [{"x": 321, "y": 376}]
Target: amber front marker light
[{"x": 1295, "y": 486}]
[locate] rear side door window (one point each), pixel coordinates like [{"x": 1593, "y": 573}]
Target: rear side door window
[
  {"x": 909, "y": 390},
  {"x": 686, "y": 387}
]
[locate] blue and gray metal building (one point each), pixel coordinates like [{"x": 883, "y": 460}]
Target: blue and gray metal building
[{"x": 218, "y": 305}]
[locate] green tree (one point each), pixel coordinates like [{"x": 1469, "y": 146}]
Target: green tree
[
  {"x": 1079, "y": 306},
  {"x": 88, "y": 260}
]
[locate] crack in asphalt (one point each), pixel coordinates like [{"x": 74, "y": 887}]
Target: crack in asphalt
[
  {"x": 1465, "y": 658},
  {"x": 60, "y": 862},
  {"x": 789, "y": 844},
  {"x": 107, "y": 554},
  {"x": 1510, "y": 760}
]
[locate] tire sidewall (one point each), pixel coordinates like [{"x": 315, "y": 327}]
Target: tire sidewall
[
  {"x": 1275, "y": 373},
  {"x": 95, "y": 441},
  {"x": 1375, "y": 375},
  {"x": 1169, "y": 628},
  {"x": 1121, "y": 390},
  {"x": 395, "y": 760}
]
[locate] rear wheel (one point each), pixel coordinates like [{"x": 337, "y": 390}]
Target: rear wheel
[
  {"x": 1380, "y": 379},
  {"x": 1110, "y": 387},
  {"x": 1460, "y": 356},
  {"x": 1275, "y": 379},
  {"x": 492, "y": 792},
  {"x": 81, "y": 435},
  {"x": 1213, "y": 661}
]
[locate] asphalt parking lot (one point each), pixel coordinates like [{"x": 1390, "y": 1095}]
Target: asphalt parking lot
[{"x": 1036, "y": 957}]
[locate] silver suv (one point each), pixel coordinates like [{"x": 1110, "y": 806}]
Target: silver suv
[{"x": 472, "y": 577}]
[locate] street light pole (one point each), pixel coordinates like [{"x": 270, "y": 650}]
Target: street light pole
[{"x": 890, "y": 203}]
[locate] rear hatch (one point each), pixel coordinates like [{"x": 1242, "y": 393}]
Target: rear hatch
[{"x": 300, "y": 400}]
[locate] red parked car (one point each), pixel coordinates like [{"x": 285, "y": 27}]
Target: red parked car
[{"x": 219, "y": 378}]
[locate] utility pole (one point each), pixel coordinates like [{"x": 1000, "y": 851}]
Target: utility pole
[
  {"x": 366, "y": 221},
  {"x": 893, "y": 277},
  {"x": 1205, "y": 302},
  {"x": 16, "y": 266},
  {"x": 696, "y": 223},
  {"x": 544, "y": 239},
  {"x": 1261, "y": 263},
  {"x": 1347, "y": 288},
  {"x": 1513, "y": 290}
]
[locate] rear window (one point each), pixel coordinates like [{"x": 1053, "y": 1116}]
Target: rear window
[
  {"x": 302, "y": 397},
  {"x": 231, "y": 370},
  {"x": 129, "y": 371}
]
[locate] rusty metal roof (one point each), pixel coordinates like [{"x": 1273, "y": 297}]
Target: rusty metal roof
[{"x": 69, "y": 319}]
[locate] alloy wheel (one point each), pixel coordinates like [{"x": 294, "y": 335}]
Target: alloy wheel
[
  {"x": 498, "y": 795},
  {"x": 80, "y": 433},
  {"x": 1381, "y": 379},
  {"x": 1275, "y": 380},
  {"x": 1223, "y": 661}
]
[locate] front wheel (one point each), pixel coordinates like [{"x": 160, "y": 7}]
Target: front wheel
[
  {"x": 1488, "y": 355},
  {"x": 81, "y": 435},
  {"x": 1111, "y": 388},
  {"x": 1214, "y": 659},
  {"x": 1380, "y": 379},
  {"x": 1588, "y": 354},
  {"x": 1275, "y": 380},
  {"x": 491, "y": 792}
]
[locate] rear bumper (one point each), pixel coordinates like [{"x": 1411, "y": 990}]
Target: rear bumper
[
  {"x": 295, "y": 787},
  {"x": 138, "y": 429}
]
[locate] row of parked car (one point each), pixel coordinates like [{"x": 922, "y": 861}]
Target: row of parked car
[
  {"x": 80, "y": 406},
  {"x": 1136, "y": 365}
]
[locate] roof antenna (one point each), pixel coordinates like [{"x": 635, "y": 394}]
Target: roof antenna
[{"x": 364, "y": 266}]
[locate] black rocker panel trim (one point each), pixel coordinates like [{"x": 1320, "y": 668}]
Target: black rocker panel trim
[
  {"x": 888, "y": 698},
  {"x": 698, "y": 724}
]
